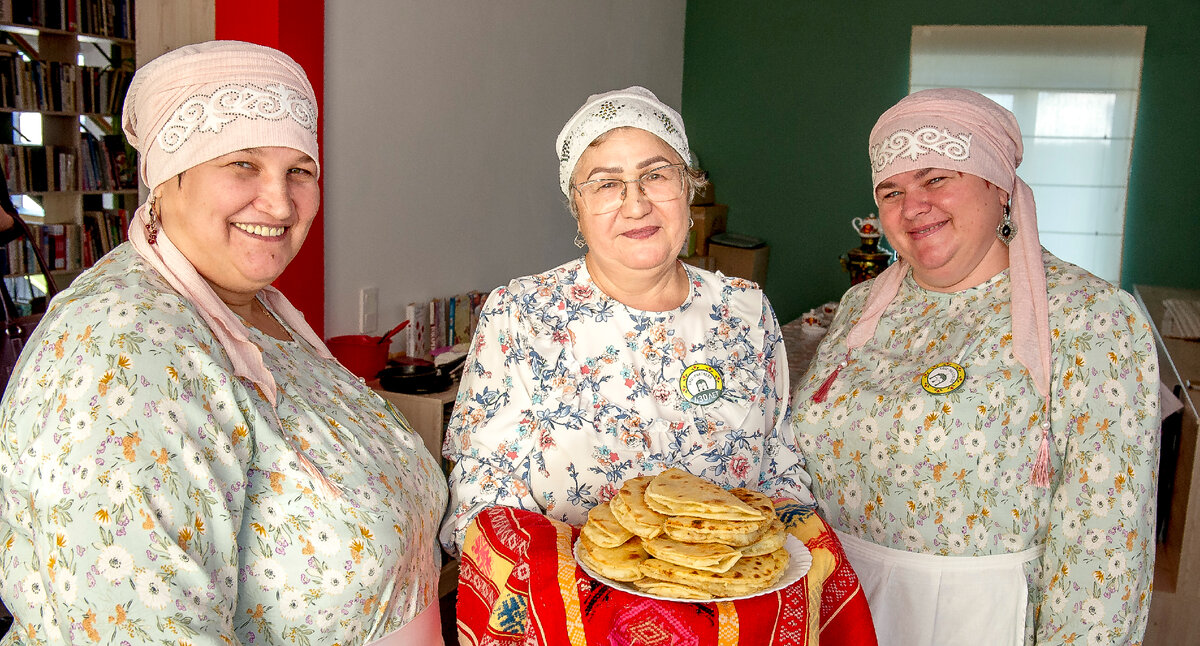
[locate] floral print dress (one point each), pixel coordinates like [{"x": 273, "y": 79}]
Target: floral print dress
[
  {"x": 151, "y": 497},
  {"x": 567, "y": 393},
  {"x": 950, "y": 474}
]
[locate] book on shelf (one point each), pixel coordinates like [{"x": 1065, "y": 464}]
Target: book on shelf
[
  {"x": 51, "y": 14},
  {"x": 105, "y": 165},
  {"x": 462, "y": 319},
  {"x": 416, "y": 342},
  {"x": 68, "y": 247},
  {"x": 112, "y": 18},
  {"x": 38, "y": 168},
  {"x": 102, "y": 90},
  {"x": 37, "y": 86},
  {"x": 437, "y": 324}
]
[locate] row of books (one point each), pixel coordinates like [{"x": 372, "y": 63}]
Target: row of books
[
  {"x": 37, "y": 86},
  {"x": 102, "y": 89},
  {"x": 68, "y": 247},
  {"x": 53, "y": 14},
  {"x": 106, "y": 164},
  {"x": 441, "y": 323},
  {"x": 39, "y": 168},
  {"x": 112, "y": 18},
  {"x": 48, "y": 86},
  {"x": 97, "y": 165}
]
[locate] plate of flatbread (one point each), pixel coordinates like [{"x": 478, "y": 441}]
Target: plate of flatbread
[
  {"x": 684, "y": 588},
  {"x": 681, "y": 537}
]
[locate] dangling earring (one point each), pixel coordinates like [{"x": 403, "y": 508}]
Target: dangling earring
[
  {"x": 1007, "y": 229},
  {"x": 691, "y": 222},
  {"x": 579, "y": 241},
  {"x": 152, "y": 225}
]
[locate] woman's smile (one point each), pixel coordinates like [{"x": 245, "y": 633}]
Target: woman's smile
[
  {"x": 264, "y": 232},
  {"x": 642, "y": 233},
  {"x": 928, "y": 230}
]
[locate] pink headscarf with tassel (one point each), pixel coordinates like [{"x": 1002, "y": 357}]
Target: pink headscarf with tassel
[
  {"x": 194, "y": 104},
  {"x": 961, "y": 130}
]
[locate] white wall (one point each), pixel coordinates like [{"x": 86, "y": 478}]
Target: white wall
[{"x": 440, "y": 119}]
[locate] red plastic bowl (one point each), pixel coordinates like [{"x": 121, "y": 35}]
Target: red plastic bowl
[{"x": 362, "y": 354}]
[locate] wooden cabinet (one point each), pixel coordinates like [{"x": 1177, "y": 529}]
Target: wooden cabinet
[{"x": 1173, "y": 616}]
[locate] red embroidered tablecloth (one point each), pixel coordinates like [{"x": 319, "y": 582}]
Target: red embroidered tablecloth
[{"x": 519, "y": 584}]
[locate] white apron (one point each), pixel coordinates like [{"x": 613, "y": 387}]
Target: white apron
[{"x": 928, "y": 600}]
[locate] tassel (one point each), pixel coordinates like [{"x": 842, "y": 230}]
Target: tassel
[
  {"x": 823, "y": 391},
  {"x": 1041, "y": 467}
]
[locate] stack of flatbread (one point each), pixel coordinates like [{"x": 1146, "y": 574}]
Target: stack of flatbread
[{"x": 680, "y": 536}]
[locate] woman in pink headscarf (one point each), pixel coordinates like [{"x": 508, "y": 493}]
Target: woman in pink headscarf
[
  {"x": 981, "y": 421},
  {"x": 181, "y": 458}
]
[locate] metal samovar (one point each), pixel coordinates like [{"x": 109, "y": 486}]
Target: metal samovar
[{"x": 866, "y": 260}]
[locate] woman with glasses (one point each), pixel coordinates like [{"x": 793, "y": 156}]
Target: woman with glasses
[{"x": 626, "y": 361}]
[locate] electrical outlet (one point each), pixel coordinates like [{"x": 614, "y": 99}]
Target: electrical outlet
[{"x": 368, "y": 310}]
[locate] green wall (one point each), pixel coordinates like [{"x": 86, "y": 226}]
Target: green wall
[{"x": 779, "y": 98}]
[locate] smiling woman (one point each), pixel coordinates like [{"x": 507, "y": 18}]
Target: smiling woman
[
  {"x": 985, "y": 379},
  {"x": 176, "y": 442},
  {"x": 626, "y": 361}
]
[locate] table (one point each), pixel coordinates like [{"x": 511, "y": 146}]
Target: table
[
  {"x": 801, "y": 343},
  {"x": 520, "y": 585}
]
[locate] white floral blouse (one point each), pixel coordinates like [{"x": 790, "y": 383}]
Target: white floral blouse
[
  {"x": 150, "y": 497},
  {"x": 567, "y": 393},
  {"x": 950, "y": 474}
]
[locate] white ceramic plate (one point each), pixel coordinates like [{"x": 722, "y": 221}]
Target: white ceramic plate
[{"x": 799, "y": 561}]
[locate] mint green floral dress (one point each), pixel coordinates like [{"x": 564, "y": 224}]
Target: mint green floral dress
[
  {"x": 951, "y": 474},
  {"x": 151, "y": 497}
]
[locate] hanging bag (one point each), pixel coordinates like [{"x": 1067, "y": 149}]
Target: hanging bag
[{"x": 17, "y": 327}]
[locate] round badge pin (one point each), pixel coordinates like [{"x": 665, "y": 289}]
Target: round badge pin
[
  {"x": 701, "y": 384},
  {"x": 943, "y": 378}
]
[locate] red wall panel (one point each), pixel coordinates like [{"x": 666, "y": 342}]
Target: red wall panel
[{"x": 297, "y": 28}]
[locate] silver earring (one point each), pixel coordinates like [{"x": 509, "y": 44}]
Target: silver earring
[
  {"x": 1007, "y": 229},
  {"x": 579, "y": 241},
  {"x": 691, "y": 222}
]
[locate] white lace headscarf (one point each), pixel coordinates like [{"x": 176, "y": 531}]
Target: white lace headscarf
[{"x": 633, "y": 107}]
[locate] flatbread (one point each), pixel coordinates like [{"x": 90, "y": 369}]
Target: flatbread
[
  {"x": 671, "y": 589},
  {"x": 711, "y": 557},
  {"x": 760, "y": 501},
  {"x": 603, "y": 529},
  {"x": 772, "y": 540},
  {"x": 633, "y": 494},
  {"x": 630, "y": 510},
  {"x": 617, "y": 563},
  {"x": 684, "y": 494},
  {"x": 706, "y": 530},
  {"x": 750, "y": 574}
]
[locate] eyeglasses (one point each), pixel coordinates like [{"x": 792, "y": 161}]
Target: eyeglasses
[{"x": 661, "y": 184}]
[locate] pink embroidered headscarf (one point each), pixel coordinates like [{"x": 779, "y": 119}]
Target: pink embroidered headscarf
[
  {"x": 194, "y": 104},
  {"x": 961, "y": 130}
]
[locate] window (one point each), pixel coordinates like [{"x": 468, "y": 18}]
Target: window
[{"x": 1074, "y": 91}]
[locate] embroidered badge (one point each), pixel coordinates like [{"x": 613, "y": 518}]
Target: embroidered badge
[
  {"x": 943, "y": 378},
  {"x": 914, "y": 143},
  {"x": 701, "y": 384}
]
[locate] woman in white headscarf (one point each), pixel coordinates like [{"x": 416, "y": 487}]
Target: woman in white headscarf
[
  {"x": 181, "y": 459},
  {"x": 626, "y": 361},
  {"x": 981, "y": 422}
]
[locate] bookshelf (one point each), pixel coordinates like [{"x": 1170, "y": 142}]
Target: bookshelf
[{"x": 65, "y": 66}]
